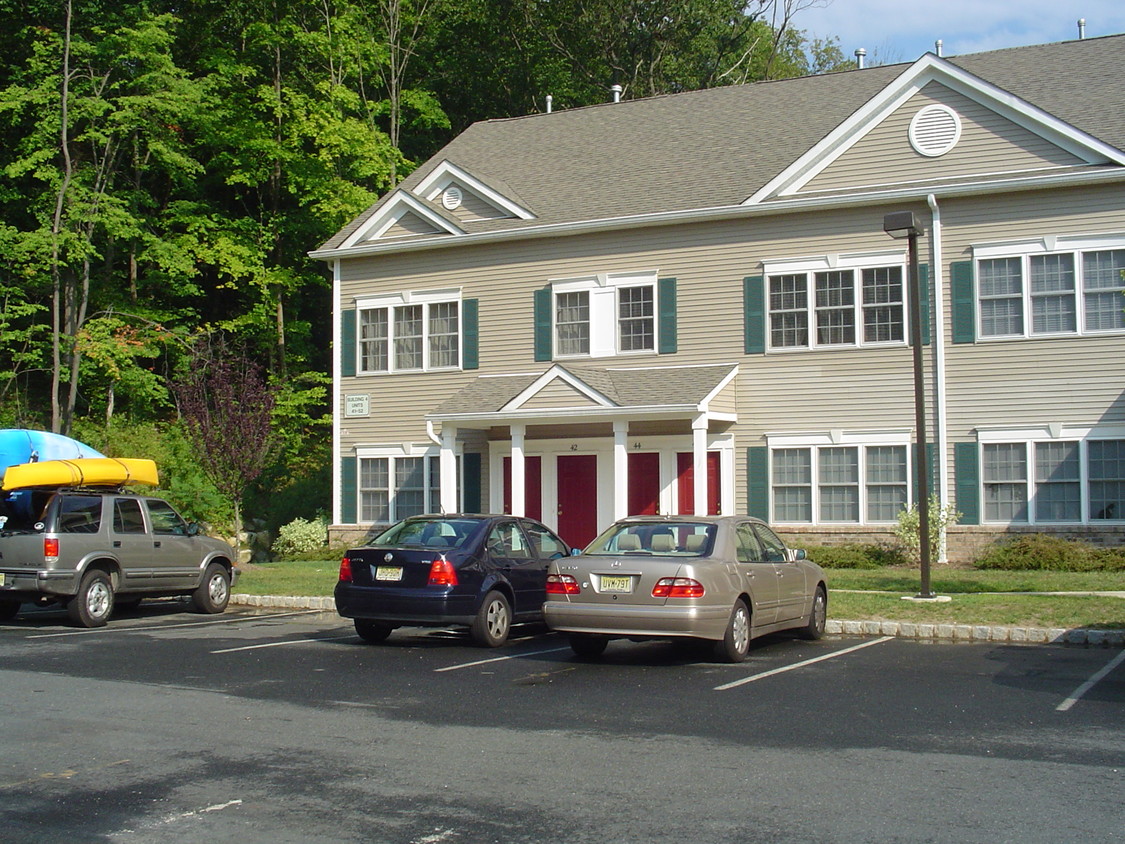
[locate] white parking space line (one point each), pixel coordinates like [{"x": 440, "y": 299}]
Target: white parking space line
[
  {"x": 498, "y": 659},
  {"x": 797, "y": 665},
  {"x": 225, "y": 620},
  {"x": 283, "y": 644},
  {"x": 1076, "y": 695}
]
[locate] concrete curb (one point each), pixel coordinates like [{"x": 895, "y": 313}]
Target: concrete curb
[{"x": 899, "y": 629}]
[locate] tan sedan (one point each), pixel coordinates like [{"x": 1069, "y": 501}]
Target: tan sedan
[{"x": 728, "y": 579}]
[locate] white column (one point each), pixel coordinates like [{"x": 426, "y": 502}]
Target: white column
[
  {"x": 519, "y": 484},
  {"x": 447, "y": 462},
  {"x": 620, "y": 470},
  {"x": 699, "y": 463}
]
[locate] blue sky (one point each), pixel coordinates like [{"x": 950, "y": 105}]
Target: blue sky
[{"x": 902, "y": 30}]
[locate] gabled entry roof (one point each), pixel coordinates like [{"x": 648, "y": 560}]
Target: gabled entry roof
[{"x": 578, "y": 392}]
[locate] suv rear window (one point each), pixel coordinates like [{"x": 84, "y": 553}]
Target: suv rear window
[
  {"x": 78, "y": 514},
  {"x": 22, "y": 510}
]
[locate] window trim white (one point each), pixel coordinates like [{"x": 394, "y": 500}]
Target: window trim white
[
  {"x": 389, "y": 302},
  {"x": 1028, "y": 437},
  {"x": 1024, "y": 249},
  {"x": 604, "y": 304},
  {"x": 861, "y": 440},
  {"x": 856, "y": 262},
  {"x": 392, "y": 453}
]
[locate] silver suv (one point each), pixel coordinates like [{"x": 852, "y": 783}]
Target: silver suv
[{"x": 90, "y": 550}]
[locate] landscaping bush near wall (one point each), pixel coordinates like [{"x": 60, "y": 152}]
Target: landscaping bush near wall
[
  {"x": 854, "y": 556},
  {"x": 1040, "y": 552}
]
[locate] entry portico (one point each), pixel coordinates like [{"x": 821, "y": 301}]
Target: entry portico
[{"x": 656, "y": 437}]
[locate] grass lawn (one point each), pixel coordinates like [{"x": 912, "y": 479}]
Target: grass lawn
[{"x": 877, "y": 594}]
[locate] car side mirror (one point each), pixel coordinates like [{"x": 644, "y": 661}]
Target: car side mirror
[
  {"x": 574, "y": 552},
  {"x": 193, "y": 529}
]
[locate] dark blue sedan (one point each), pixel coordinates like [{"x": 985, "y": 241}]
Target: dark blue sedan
[{"x": 484, "y": 572}]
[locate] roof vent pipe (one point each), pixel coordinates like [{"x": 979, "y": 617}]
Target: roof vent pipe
[
  {"x": 616, "y": 91},
  {"x": 937, "y": 47},
  {"x": 1081, "y": 28},
  {"x": 550, "y": 100},
  {"x": 859, "y": 56}
]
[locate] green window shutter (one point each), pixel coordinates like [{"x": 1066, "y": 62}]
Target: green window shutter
[
  {"x": 963, "y": 301},
  {"x": 347, "y": 342},
  {"x": 470, "y": 334},
  {"x": 471, "y": 482},
  {"x": 924, "y": 290},
  {"x": 966, "y": 469},
  {"x": 666, "y": 307},
  {"x": 349, "y": 491},
  {"x": 758, "y": 482},
  {"x": 754, "y": 314},
  {"x": 543, "y": 324}
]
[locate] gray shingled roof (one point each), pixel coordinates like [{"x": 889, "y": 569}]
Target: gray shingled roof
[
  {"x": 716, "y": 147},
  {"x": 650, "y": 387}
]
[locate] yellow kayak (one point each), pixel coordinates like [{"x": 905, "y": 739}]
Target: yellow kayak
[{"x": 83, "y": 471}]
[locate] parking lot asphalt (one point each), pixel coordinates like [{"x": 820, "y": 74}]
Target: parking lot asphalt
[
  {"x": 280, "y": 725},
  {"x": 903, "y": 629}
]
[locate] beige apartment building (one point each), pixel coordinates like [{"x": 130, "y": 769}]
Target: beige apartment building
[{"x": 689, "y": 303}]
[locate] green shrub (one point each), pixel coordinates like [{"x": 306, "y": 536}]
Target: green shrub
[
  {"x": 854, "y": 556},
  {"x": 299, "y": 537},
  {"x": 1040, "y": 552}
]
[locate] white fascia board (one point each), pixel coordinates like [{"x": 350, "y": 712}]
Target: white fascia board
[
  {"x": 544, "y": 416},
  {"x": 447, "y": 173},
  {"x": 774, "y": 208},
  {"x": 930, "y": 68},
  {"x": 546, "y": 378},
  {"x": 400, "y": 203}
]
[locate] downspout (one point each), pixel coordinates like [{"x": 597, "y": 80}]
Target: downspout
[
  {"x": 431, "y": 433},
  {"x": 337, "y": 382},
  {"x": 940, "y": 421}
]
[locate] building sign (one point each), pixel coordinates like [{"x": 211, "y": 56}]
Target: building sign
[{"x": 357, "y": 405}]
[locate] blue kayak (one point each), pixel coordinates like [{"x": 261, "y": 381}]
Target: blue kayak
[{"x": 20, "y": 445}]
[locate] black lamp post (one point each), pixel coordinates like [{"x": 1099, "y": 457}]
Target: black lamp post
[{"x": 902, "y": 224}]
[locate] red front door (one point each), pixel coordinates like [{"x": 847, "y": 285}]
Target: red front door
[
  {"x": 644, "y": 484},
  {"x": 532, "y": 487},
  {"x": 685, "y": 481},
  {"x": 578, "y": 498}
]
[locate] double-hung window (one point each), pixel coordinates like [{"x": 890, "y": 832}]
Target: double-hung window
[
  {"x": 814, "y": 480},
  {"x": 410, "y": 332},
  {"x": 842, "y": 301},
  {"x": 396, "y": 486},
  {"x": 1050, "y": 287},
  {"x": 1053, "y": 480},
  {"x": 604, "y": 315}
]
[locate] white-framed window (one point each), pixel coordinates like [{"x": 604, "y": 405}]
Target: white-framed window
[
  {"x": 1075, "y": 478},
  {"x": 1054, "y": 286},
  {"x": 604, "y": 315},
  {"x": 410, "y": 332},
  {"x": 394, "y": 485},
  {"x": 833, "y": 479},
  {"x": 837, "y": 301}
]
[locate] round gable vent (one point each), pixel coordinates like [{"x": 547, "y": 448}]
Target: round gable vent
[
  {"x": 451, "y": 197},
  {"x": 935, "y": 130}
]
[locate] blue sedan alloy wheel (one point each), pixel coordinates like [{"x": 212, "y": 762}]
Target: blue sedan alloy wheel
[
  {"x": 493, "y": 621},
  {"x": 735, "y": 644}
]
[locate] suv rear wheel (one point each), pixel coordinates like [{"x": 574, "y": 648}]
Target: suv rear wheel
[{"x": 93, "y": 605}]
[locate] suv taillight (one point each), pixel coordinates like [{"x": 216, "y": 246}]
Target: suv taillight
[
  {"x": 677, "y": 587},
  {"x": 50, "y": 548},
  {"x": 562, "y": 584},
  {"x": 442, "y": 573},
  {"x": 345, "y": 570}
]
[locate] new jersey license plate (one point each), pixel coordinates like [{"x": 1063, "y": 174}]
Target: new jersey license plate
[
  {"x": 388, "y": 573},
  {"x": 615, "y": 584}
]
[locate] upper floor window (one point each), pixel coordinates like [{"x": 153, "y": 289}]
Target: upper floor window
[
  {"x": 421, "y": 333},
  {"x": 605, "y": 316},
  {"x": 1040, "y": 289},
  {"x": 850, "y": 301}
]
